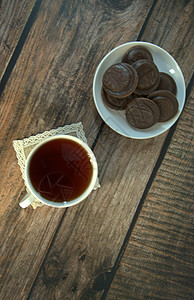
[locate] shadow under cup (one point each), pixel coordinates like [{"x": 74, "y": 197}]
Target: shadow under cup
[{"x": 61, "y": 171}]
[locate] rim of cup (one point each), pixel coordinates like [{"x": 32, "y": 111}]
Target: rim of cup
[{"x": 77, "y": 200}]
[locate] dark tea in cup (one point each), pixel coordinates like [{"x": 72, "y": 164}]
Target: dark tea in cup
[{"x": 61, "y": 171}]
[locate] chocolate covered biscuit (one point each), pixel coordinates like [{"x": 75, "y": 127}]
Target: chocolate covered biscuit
[
  {"x": 167, "y": 103},
  {"x": 136, "y": 53},
  {"x": 142, "y": 113},
  {"x": 167, "y": 83},
  {"x": 146, "y": 95},
  {"x": 120, "y": 102},
  {"x": 148, "y": 77},
  {"x": 115, "y": 103},
  {"x": 120, "y": 80}
]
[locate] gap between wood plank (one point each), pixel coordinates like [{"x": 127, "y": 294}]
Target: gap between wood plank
[
  {"x": 146, "y": 21},
  {"x": 19, "y": 46},
  {"x": 93, "y": 146},
  {"x": 47, "y": 253},
  {"x": 138, "y": 39},
  {"x": 3, "y": 83},
  {"x": 137, "y": 213}
]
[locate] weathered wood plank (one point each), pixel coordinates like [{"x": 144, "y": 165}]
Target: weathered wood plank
[
  {"x": 50, "y": 86},
  {"x": 173, "y": 29},
  {"x": 13, "y": 17},
  {"x": 158, "y": 262},
  {"x": 98, "y": 226}
]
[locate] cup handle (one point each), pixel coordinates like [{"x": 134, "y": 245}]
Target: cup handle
[{"x": 27, "y": 200}]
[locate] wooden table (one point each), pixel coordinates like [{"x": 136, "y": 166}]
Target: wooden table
[{"x": 133, "y": 237}]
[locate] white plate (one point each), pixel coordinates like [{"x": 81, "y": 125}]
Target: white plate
[{"x": 116, "y": 119}]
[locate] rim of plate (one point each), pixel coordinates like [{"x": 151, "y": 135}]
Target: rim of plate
[{"x": 110, "y": 116}]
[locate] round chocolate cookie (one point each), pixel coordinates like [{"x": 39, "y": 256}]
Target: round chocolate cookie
[
  {"x": 136, "y": 53},
  {"x": 120, "y": 80},
  {"x": 169, "y": 107},
  {"x": 167, "y": 83},
  {"x": 148, "y": 77},
  {"x": 166, "y": 108},
  {"x": 142, "y": 113},
  {"x": 115, "y": 103},
  {"x": 120, "y": 102},
  {"x": 106, "y": 101}
]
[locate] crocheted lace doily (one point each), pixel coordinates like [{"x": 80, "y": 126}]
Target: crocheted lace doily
[{"x": 23, "y": 148}]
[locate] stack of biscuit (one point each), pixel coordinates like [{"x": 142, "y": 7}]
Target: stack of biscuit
[{"x": 136, "y": 86}]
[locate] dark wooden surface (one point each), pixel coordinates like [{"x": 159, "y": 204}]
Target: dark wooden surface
[
  {"x": 14, "y": 16},
  {"x": 158, "y": 261},
  {"x": 131, "y": 239}
]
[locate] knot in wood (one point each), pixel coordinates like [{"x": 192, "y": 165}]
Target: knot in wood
[
  {"x": 52, "y": 270},
  {"x": 82, "y": 256},
  {"x": 101, "y": 281}
]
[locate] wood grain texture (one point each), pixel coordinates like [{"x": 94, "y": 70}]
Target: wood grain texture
[
  {"x": 89, "y": 229},
  {"x": 171, "y": 26},
  {"x": 158, "y": 262},
  {"x": 51, "y": 85},
  {"x": 13, "y": 17},
  {"x": 90, "y": 246}
]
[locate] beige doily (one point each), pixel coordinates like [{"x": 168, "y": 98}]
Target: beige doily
[{"x": 23, "y": 147}]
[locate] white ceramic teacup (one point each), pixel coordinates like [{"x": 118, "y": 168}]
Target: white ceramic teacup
[{"x": 34, "y": 194}]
